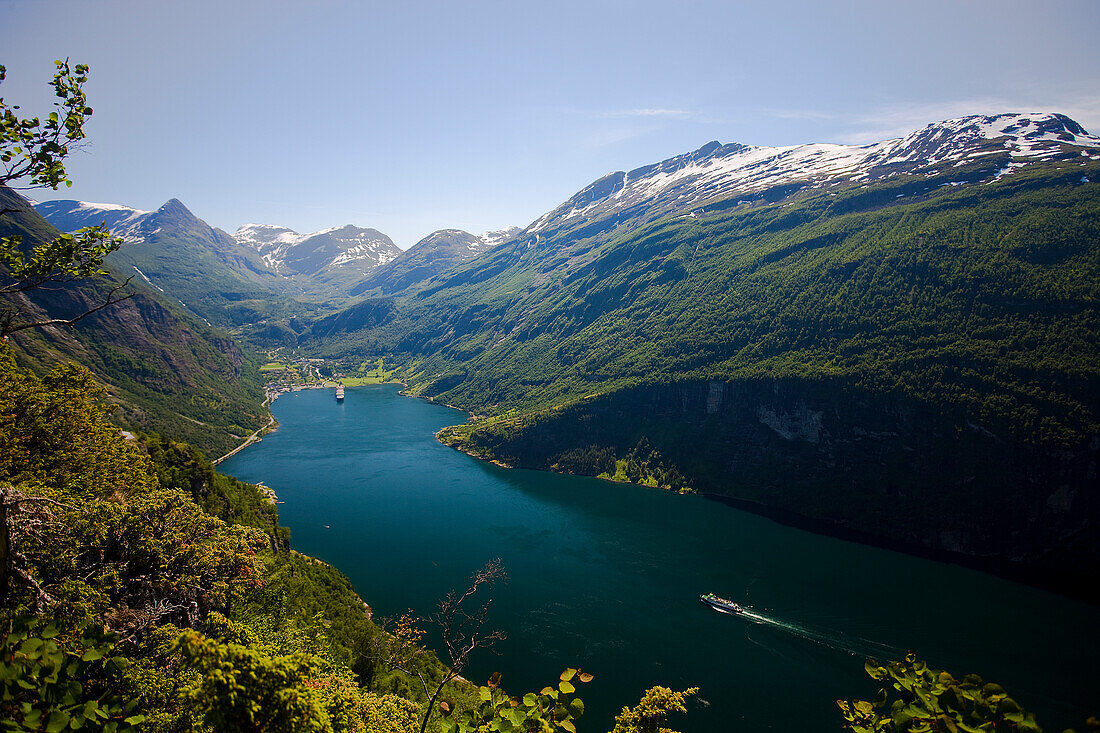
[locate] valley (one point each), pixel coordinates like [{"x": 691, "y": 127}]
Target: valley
[
  {"x": 607, "y": 576},
  {"x": 892, "y": 344},
  {"x": 907, "y": 327}
]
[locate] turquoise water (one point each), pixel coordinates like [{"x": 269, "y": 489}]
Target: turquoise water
[{"x": 607, "y": 577}]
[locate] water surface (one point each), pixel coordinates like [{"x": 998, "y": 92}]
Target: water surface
[{"x": 607, "y": 576}]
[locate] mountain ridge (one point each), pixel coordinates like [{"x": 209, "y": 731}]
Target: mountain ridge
[
  {"x": 434, "y": 254},
  {"x": 167, "y": 371},
  {"x": 719, "y": 170},
  {"x": 284, "y": 249},
  {"x": 939, "y": 301}
]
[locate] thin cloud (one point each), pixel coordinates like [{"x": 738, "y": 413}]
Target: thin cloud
[
  {"x": 798, "y": 114},
  {"x": 613, "y": 136},
  {"x": 899, "y": 120},
  {"x": 648, "y": 112}
]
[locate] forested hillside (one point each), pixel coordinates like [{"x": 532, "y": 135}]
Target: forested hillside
[
  {"x": 167, "y": 590},
  {"x": 930, "y": 337},
  {"x": 167, "y": 370}
]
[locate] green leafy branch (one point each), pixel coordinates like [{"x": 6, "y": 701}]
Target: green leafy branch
[
  {"x": 57, "y": 261},
  {"x": 50, "y": 683},
  {"x": 36, "y": 149},
  {"x": 933, "y": 700},
  {"x": 551, "y": 709}
]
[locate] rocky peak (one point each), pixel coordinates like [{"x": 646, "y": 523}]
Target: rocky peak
[{"x": 715, "y": 171}]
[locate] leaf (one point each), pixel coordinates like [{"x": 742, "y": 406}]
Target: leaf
[
  {"x": 873, "y": 670},
  {"x": 59, "y": 720},
  {"x": 586, "y": 677},
  {"x": 485, "y": 693},
  {"x": 567, "y": 675},
  {"x": 566, "y": 687},
  {"x": 568, "y": 725}
]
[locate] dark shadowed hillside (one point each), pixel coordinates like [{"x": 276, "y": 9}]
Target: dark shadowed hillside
[
  {"x": 168, "y": 371},
  {"x": 902, "y": 346}
]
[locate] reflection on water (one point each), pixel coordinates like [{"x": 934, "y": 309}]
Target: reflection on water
[{"x": 608, "y": 576}]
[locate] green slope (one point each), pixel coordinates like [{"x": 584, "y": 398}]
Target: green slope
[
  {"x": 997, "y": 282},
  {"x": 167, "y": 371},
  {"x": 432, "y": 255},
  {"x": 952, "y": 329},
  {"x": 203, "y": 268}
]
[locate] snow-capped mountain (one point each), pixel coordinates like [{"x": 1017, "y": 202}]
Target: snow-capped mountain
[
  {"x": 714, "y": 171},
  {"x": 180, "y": 255},
  {"x": 347, "y": 247},
  {"x": 68, "y": 216},
  {"x": 498, "y": 236},
  {"x": 260, "y": 263},
  {"x": 269, "y": 240},
  {"x": 435, "y": 253}
]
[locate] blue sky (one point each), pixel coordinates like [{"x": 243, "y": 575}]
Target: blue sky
[{"x": 415, "y": 116}]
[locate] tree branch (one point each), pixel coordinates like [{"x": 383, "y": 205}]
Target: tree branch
[
  {"x": 463, "y": 631},
  {"x": 9, "y": 328}
]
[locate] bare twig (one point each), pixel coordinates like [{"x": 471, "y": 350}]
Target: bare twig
[
  {"x": 464, "y": 630},
  {"x": 8, "y": 327}
]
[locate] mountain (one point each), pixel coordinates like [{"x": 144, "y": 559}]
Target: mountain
[
  {"x": 201, "y": 267},
  {"x": 432, "y": 255},
  {"x": 895, "y": 341},
  {"x": 166, "y": 370},
  {"x": 262, "y": 273},
  {"x": 721, "y": 172},
  {"x": 68, "y": 216},
  {"x": 338, "y": 256}
]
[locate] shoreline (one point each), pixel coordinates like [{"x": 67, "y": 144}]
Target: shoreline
[
  {"x": 272, "y": 423},
  {"x": 256, "y": 437},
  {"x": 1063, "y": 584}
]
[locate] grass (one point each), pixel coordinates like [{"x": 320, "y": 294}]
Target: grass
[
  {"x": 370, "y": 373},
  {"x": 369, "y": 379}
]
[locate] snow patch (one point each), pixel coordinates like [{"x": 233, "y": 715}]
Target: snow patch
[
  {"x": 715, "y": 170},
  {"x": 109, "y": 207}
]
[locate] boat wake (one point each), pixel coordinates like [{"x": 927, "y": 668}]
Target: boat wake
[{"x": 856, "y": 646}]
